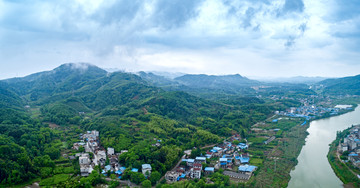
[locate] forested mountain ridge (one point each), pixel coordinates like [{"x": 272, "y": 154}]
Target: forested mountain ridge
[
  {"x": 341, "y": 86},
  {"x": 127, "y": 111},
  {"x": 65, "y": 78},
  {"x": 8, "y": 98},
  {"x": 212, "y": 81}
]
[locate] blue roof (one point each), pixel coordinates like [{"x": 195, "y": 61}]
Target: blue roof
[
  {"x": 183, "y": 175},
  {"x": 119, "y": 177},
  {"x": 247, "y": 168},
  {"x": 146, "y": 166},
  {"x": 200, "y": 158},
  {"x": 244, "y": 159},
  {"x": 213, "y": 150},
  {"x": 184, "y": 160},
  {"x": 191, "y": 160},
  {"x": 122, "y": 169},
  {"x": 108, "y": 167},
  {"x": 118, "y": 172},
  {"x": 274, "y": 120},
  {"x": 223, "y": 159},
  {"x": 209, "y": 169},
  {"x": 135, "y": 170},
  {"x": 353, "y": 154},
  {"x": 242, "y": 146},
  {"x": 208, "y": 156}
]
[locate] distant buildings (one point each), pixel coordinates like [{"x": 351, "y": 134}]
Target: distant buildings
[
  {"x": 84, "y": 162},
  {"x": 351, "y": 144}
]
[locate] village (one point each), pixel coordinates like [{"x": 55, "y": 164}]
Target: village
[
  {"x": 351, "y": 146},
  {"x": 95, "y": 155},
  {"x": 230, "y": 157}
]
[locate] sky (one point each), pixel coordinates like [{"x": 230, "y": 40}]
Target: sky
[{"x": 263, "y": 38}]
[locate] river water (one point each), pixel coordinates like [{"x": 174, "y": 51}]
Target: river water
[{"x": 313, "y": 169}]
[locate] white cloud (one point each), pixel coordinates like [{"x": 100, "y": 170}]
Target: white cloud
[{"x": 210, "y": 36}]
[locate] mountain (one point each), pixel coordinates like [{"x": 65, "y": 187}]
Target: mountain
[
  {"x": 293, "y": 80},
  {"x": 215, "y": 82},
  {"x": 72, "y": 88},
  {"x": 157, "y": 80},
  {"x": 341, "y": 86},
  {"x": 65, "y": 78},
  {"x": 8, "y": 98}
]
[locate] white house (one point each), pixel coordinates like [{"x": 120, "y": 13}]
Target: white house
[
  {"x": 146, "y": 168},
  {"x": 110, "y": 151}
]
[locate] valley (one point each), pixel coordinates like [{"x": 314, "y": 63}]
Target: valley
[{"x": 147, "y": 119}]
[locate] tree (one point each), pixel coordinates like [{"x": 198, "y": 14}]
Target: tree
[
  {"x": 136, "y": 177},
  {"x": 196, "y": 152},
  {"x": 81, "y": 149},
  {"x": 201, "y": 183},
  {"x": 236, "y": 142},
  {"x": 146, "y": 183},
  {"x": 155, "y": 176},
  {"x": 53, "y": 152}
]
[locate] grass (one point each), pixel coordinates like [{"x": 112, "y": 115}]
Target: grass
[
  {"x": 24, "y": 184},
  {"x": 56, "y": 179},
  {"x": 277, "y": 164},
  {"x": 256, "y": 161}
]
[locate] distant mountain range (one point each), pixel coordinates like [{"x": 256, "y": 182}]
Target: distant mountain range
[
  {"x": 294, "y": 80},
  {"x": 341, "y": 86}
]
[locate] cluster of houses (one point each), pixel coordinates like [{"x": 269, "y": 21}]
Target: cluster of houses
[
  {"x": 310, "y": 111},
  {"x": 90, "y": 142},
  {"x": 226, "y": 155},
  {"x": 352, "y": 145},
  {"x": 192, "y": 170}
]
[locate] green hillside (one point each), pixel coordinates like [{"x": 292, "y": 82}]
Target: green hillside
[
  {"x": 128, "y": 111},
  {"x": 342, "y": 86}
]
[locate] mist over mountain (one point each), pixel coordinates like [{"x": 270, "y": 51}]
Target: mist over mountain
[{"x": 294, "y": 80}]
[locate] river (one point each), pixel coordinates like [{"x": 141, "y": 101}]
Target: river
[{"x": 313, "y": 169}]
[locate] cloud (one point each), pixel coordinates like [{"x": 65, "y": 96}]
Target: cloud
[
  {"x": 124, "y": 33},
  {"x": 293, "y": 6}
]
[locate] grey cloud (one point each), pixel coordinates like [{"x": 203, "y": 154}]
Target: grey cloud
[
  {"x": 250, "y": 12},
  {"x": 302, "y": 27},
  {"x": 345, "y": 10},
  {"x": 120, "y": 11},
  {"x": 290, "y": 42},
  {"x": 175, "y": 13},
  {"x": 293, "y": 6}
]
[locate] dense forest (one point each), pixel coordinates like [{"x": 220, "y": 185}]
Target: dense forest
[
  {"x": 127, "y": 111},
  {"x": 42, "y": 115}
]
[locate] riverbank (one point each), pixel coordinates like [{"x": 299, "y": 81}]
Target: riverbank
[
  {"x": 342, "y": 170},
  {"x": 314, "y": 154},
  {"x": 280, "y": 156}
]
